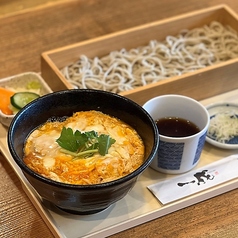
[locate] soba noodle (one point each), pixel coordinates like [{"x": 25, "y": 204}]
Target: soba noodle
[{"x": 125, "y": 70}]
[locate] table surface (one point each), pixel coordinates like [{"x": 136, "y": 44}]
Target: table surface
[{"x": 29, "y": 28}]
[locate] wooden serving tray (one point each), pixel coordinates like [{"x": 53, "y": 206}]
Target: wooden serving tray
[
  {"x": 138, "y": 207},
  {"x": 200, "y": 84}
]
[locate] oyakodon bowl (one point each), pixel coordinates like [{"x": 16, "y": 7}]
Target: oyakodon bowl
[{"x": 81, "y": 199}]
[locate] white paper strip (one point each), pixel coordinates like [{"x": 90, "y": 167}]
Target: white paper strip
[{"x": 196, "y": 180}]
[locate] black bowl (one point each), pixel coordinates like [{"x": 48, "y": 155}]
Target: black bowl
[{"x": 81, "y": 199}]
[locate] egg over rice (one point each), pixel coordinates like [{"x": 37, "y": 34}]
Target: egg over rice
[{"x": 45, "y": 156}]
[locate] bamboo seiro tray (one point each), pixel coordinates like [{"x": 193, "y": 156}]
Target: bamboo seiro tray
[
  {"x": 137, "y": 207},
  {"x": 200, "y": 84}
]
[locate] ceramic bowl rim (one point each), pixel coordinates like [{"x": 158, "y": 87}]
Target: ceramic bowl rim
[{"x": 128, "y": 177}]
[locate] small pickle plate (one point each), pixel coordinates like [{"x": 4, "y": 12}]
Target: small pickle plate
[
  {"x": 223, "y": 128},
  {"x": 28, "y": 81}
]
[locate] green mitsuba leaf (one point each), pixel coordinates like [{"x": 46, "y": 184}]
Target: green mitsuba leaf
[
  {"x": 65, "y": 140},
  {"x": 104, "y": 142},
  {"x": 84, "y": 145}
]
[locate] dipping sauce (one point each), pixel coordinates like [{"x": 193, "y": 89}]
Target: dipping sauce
[{"x": 176, "y": 127}]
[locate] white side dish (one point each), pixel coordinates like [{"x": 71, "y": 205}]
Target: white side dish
[
  {"x": 18, "y": 83},
  {"x": 223, "y": 128}
]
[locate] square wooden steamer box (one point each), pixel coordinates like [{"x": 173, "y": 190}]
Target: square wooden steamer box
[{"x": 200, "y": 84}]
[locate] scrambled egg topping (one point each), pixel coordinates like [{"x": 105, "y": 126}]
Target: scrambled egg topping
[{"x": 44, "y": 155}]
